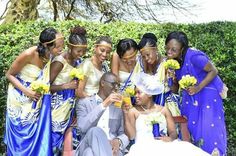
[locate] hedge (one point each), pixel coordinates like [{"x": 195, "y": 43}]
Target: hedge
[{"x": 217, "y": 39}]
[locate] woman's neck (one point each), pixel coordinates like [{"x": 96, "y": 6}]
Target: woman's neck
[
  {"x": 96, "y": 62},
  {"x": 70, "y": 59},
  {"x": 148, "y": 107},
  {"x": 152, "y": 68}
]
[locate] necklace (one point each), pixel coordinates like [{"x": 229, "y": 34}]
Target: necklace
[{"x": 143, "y": 108}]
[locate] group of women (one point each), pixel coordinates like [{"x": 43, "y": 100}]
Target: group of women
[{"x": 36, "y": 123}]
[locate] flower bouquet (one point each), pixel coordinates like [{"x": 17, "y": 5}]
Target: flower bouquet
[
  {"x": 171, "y": 64},
  {"x": 154, "y": 119},
  {"x": 187, "y": 81},
  {"x": 39, "y": 87},
  {"x": 77, "y": 73}
]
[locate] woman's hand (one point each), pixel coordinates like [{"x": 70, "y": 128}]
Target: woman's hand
[
  {"x": 126, "y": 107},
  {"x": 193, "y": 90},
  {"x": 165, "y": 138},
  {"x": 115, "y": 147},
  {"x": 71, "y": 85},
  {"x": 32, "y": 94},
  {"x": 171, "y": 73}
]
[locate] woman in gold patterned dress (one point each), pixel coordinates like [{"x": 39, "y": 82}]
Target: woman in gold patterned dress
[
  {"x": 28, "y": 124},
  {"x": 63, "y": 85},
  {"x": 94, "y": 67}
]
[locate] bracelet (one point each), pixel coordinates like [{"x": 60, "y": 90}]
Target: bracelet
[{"x": 120, "y": 142}]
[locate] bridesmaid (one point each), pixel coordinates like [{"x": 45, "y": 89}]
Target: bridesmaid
[
  {"x": 63, "y": 86},
  {"x": 94, "y": 67},
  {"x": 151, "y": 62},
  {"x": 28, "y": 117},
  {"x": 124, "y": 61},
  {"x": 201, "y": 104}
]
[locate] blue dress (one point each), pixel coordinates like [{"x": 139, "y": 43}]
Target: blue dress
[
  {"x": 28, "y": 124},
  {"x": 204, "y": 110}
]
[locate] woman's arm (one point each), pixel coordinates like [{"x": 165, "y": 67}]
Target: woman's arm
[
  {"x": 172, "y": 134},
  {"x": 55, "y": 69},
  {"x": 22, "y": 60},
  {"x": 211, "y": 73},
  {"x": 129, "y": 122},
  {"x": 80, "y": 90},
  {"x": 115, "y": 64}
]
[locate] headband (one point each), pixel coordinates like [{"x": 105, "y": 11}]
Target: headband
[
  {"x": 78, "y": 45},
  {"x": 147, "y": 48},
  {"x": 130, "y": 56},
  {"x": 53, "y": 40},
  {"x": 105, "y": 45}
]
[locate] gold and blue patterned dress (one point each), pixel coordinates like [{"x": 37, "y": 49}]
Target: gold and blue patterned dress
[
  {"x": 93, "y": 76},
  {"x": 167, "y": 98},
  {"x": 28, "y": 123},
  {"x": 62, "y": 105}
]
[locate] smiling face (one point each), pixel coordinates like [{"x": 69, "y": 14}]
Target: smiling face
[
  {"x": 173, "y": 49},
  {"x": 78, "y": 52},
  {"x": 129, "y": 57},
  {"x": 149, "y": 54},
  {"x": 102, "y": 51},
  {"x": 58, "y": 45},
  {"x": 141, "y": 97},
  {"x": 110, "y": 84}
]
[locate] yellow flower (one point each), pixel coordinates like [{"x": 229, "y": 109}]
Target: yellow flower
[
  {"x": 77, "y": 73},
  {"x": 39, "y": 87},
  {"x": 171, "y": 64},
  {"x": 187, "y": 81},
  {"x": 130, "y": 91}
]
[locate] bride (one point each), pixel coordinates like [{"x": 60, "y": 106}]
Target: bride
[{"x": 138, "y": 126}]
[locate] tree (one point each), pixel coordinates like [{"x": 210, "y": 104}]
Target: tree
[
  {"x": 102, "y": 10},
  {"x": 21, "y": 10}
]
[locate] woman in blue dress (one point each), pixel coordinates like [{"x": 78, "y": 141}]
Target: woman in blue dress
[
  {"x": 63, "y": 86},
  {"x": 201, "y": 104},
  {"x": 28, "y": 117}
]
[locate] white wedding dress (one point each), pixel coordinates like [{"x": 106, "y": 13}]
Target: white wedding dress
[{"x": 146, "y": 145}]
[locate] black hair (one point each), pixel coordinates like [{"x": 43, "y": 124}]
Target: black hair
[
  {"x": 77, "y": 36},
  {"x": 124, "y": 45},
  {"x": 182, "y": 38},
  {"x": 148, "y": 39},
  {"x": 47, "y": 35},
  {"x": 103, "y": 38}
]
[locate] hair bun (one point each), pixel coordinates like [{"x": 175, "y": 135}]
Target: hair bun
[
  {"x": 78, "y": 30},
  {"x": 150, "y": 36}
]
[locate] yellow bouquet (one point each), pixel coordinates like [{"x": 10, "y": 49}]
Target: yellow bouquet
[
  {"x": 129, "y": 91},
  {"x": 77, "y": 73},
  {"x": 187, "y": 81},
  {"x": 154, "y": 117},
  {"x": 39, "y": 87},
  {"x": 171, "y": 64}
]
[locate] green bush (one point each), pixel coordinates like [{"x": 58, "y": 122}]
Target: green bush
[{"x": 217, "y": 39}]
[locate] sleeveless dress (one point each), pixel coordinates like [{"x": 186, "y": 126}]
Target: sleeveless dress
[
  {"x": 167, "y": 98},
  {"x": 146, "y": 145},
  {"x": 28, "y": 123},
  {"x": 62, "y": 105},
  {"x": 204, "y": 110},
  {"x": 93, "y": 75}
]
